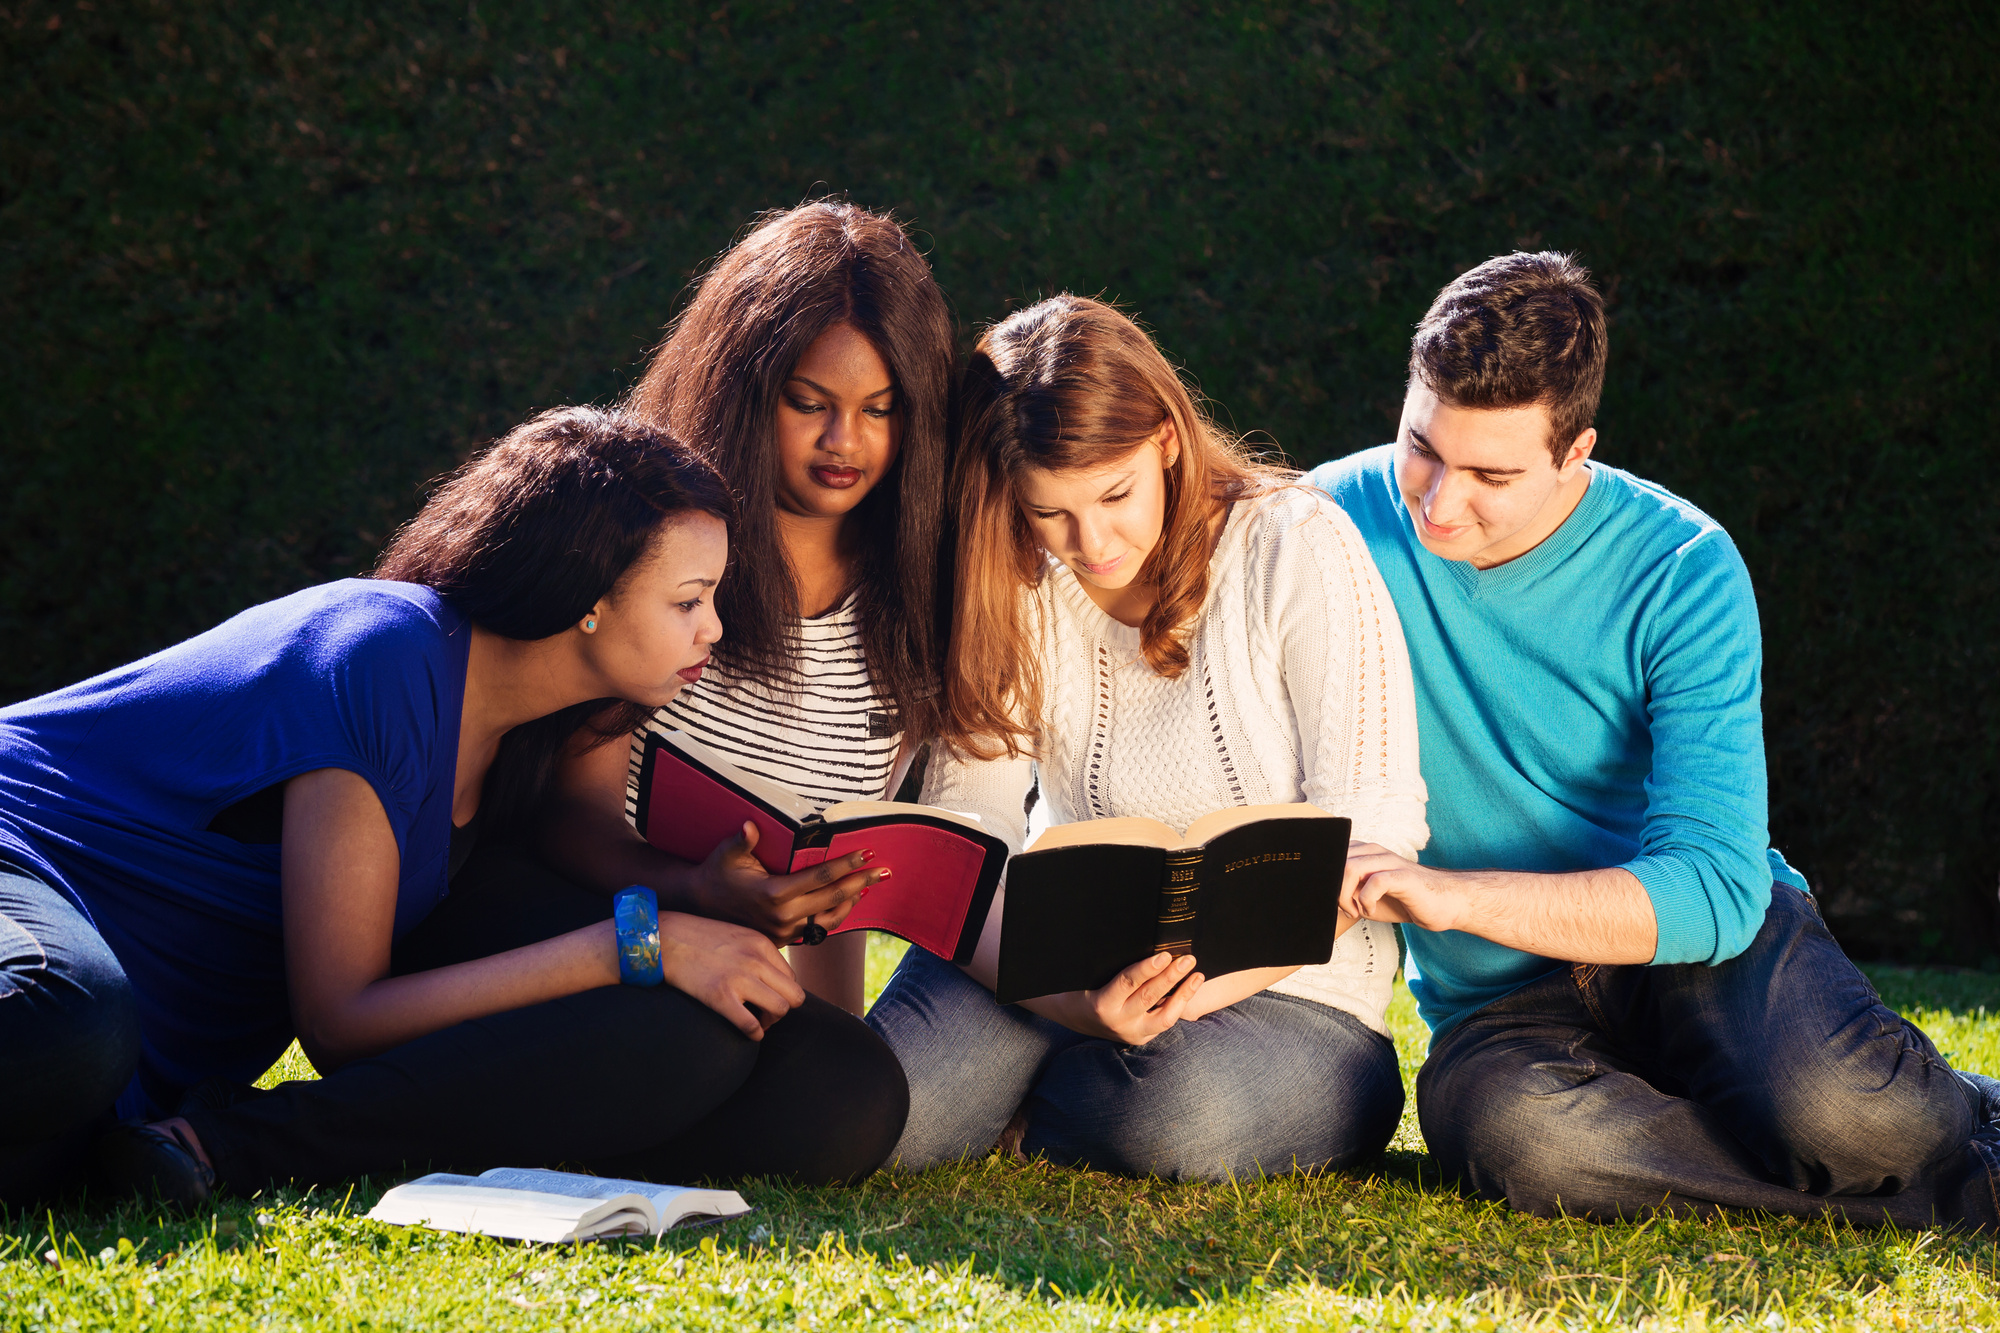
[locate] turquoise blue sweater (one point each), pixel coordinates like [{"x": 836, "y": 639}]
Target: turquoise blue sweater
[{"x": 1592, "y": 703}]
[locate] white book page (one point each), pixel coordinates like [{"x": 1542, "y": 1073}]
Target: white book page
[
  {"x": 840, "y": 810},
  {"x": 682, "y": 1202},
  {"x": 1127, "y": 831},
  {"x": 670, "y": 1203},
  {"x": 1134, "y": 832},
  {"x": 514, "y": 1213},
  {"x": 1221, "y": 821}
]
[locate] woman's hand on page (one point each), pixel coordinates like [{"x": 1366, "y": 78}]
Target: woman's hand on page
[
  {"x": 735, "y": 886},
  {"x": 1381, "y": 886},
  {"x": 732, "y": 969},
  {"x": 1124, "y": 1009}
]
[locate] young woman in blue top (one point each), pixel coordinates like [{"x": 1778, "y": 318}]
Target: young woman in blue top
[{"x": 216, "y": 848}]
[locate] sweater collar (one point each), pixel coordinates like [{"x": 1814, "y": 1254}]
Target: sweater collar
[{"x": 1525, "y": 568}]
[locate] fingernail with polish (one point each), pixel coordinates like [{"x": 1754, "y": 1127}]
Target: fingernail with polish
[
  {"x": 882, "y": 874},
  {"x": 868, "y": 855}
]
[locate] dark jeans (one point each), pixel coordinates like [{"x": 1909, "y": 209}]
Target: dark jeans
[
  {"x": 621, "y": 1080},
  {"x": 1775, "y": 1081},
  {"x": 1274, "y": 1083},
  {"x": 69, "y": 1037}
]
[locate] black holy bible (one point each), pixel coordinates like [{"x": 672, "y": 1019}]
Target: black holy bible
[{"x": 1252, "y": 886}]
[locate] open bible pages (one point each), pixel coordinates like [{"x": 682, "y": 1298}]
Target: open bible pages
[
  {"x": 670, "y": 1202},
  {"x": 1129, "y": 831},
  {"x": 549, "y": 1206}
]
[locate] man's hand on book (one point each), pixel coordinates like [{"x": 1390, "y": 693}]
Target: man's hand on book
[
  {"x": 1579, "y": 916},
  {"x": 731, "y": 969},
  {"x": 733, "y": 885},
  {"x": 1123, "y": 1009}
]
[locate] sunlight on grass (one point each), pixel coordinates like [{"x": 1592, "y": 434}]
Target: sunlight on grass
[{"x": 994, "y": 1244}]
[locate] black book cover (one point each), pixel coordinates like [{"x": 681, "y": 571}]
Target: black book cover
[{"x": 1263, "y": 894}]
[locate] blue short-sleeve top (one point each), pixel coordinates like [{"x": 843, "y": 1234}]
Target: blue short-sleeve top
[{"x": 108, "y": 789}]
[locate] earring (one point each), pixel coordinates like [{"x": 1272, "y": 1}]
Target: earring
[{"x": 590, "y": 624}]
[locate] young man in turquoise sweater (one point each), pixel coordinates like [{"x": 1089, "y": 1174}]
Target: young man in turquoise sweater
[{"x": 1633, "y": 1001}]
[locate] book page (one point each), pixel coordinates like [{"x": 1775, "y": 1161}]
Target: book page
[
  {"x": 683, "y": 1203},
  {"x": 669, "y": 1203},
  {"x": 794, "y": 805},
  {"x": 1128, "y": 831},
  {"x": 570, "y": 1184},
  {"x": 833, "y": 814},
  {"x": 1214, "y": 825},
  {"x": 514, "y": 1213}
]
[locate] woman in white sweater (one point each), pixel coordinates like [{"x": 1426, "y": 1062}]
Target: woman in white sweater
[{"x": 1157, "y": 626}]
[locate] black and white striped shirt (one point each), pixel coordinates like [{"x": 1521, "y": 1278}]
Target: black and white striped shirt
[{"x": 833, "y": 738}]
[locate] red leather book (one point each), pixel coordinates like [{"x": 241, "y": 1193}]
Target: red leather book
[{"x": 947, "y": 866}]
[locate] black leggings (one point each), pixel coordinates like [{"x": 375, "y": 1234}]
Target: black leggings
[{"x": 619, "y": 1081}]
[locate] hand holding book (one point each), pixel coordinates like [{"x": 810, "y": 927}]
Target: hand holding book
[
  {"x": 1248, "y": 887},
  {"x": 732, "y": 884},
  {"x": 690, "y": 802},
  {"x": 1133, "y": 1007}
]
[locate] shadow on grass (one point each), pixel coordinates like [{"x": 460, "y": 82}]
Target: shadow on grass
[
  {"x": 1000, "y": 1236},
  {"x": 1004, "y": 1244}
]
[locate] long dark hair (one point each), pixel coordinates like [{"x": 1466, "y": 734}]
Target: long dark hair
[
  {"x": 526, "y": 537},
  {"x": 715, "y": 382}
]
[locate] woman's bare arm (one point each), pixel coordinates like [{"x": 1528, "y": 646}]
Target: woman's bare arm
[
  {"x": 340, "y": 869},
  {"x": 585, "y": 835}
]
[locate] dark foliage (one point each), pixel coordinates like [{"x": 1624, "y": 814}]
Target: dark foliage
[{"x": 264, "y": 270}]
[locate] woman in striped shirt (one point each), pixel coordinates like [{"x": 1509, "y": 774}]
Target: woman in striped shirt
[{"x": 812, "y": 367}]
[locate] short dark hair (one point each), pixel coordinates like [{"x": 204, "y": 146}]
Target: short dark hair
[
  {"x": 1518, "y": 329},
  {"x": 715, "y": 382},
  {"x": 527, "y": 536}
]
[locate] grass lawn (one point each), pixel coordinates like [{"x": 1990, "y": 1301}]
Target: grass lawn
[{"x": 995, "y": 1244}]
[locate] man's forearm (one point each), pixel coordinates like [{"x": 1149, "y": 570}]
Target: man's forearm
[{"x": 1585, "y": 916}]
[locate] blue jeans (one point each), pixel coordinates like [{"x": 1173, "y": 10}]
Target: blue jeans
[
  {"x": 1272, "y": 1084},
  {"x": 69, "y": 1036},
  {"x": 1775, "y": 1081}
]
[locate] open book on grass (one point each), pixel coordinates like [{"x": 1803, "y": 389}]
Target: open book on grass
[
  {"x": 947, "y": 866},
  {"x": 1250, "y": 886},
  {"x": 523, "y": 1204}
]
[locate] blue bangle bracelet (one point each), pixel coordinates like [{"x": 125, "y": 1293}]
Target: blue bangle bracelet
[{"x": 635, "y": 914}]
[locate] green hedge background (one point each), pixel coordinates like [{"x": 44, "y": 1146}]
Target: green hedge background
[{"x": 265, "y": 269}]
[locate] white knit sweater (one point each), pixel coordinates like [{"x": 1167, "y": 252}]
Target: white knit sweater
[{"x": 1297, "y": 689}]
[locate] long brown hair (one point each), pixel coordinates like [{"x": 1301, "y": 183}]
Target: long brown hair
[
  {"x": 1069, "y": 384},
  {"x": 715, "y": 382}
]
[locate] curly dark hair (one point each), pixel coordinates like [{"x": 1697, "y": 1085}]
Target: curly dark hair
[{"x": 528, "y": 535}]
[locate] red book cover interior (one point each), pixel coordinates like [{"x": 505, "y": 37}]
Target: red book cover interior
[
  {"x": 688, "y": 813},
  {"x": 926, "y": 900}
]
